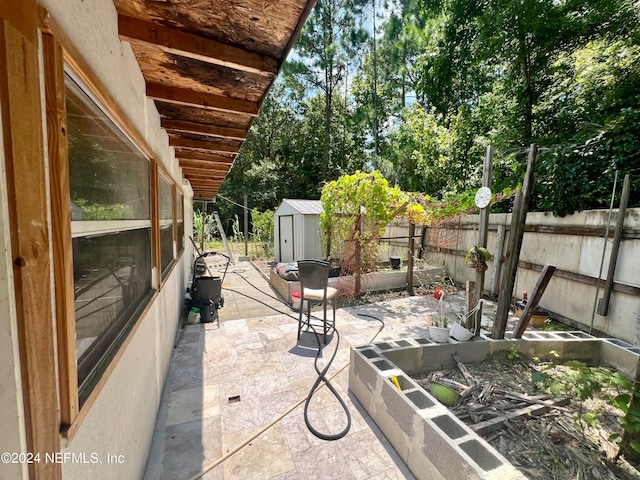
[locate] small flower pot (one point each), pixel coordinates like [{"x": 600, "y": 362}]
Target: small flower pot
[
  {"x": 460, "y": 333},
  {"x": 439, "y": 334}
]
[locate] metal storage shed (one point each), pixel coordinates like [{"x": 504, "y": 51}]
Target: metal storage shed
[{"x": 297, "y": 230}]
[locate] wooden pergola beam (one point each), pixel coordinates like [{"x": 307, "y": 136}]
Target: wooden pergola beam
[
  {"x": 216, "y": 175},
  {"x": 196, "y": 47},
  {"x": 191, "y": 98},
  {"x": 212, "y": 146},
  {"x": 208, "y": 157},
  {"x": 206, "y": 186},
  {"x": 202, "y": 180},
  {"x": 202, "y": 129},
  {"x": 203, "y": 166}
]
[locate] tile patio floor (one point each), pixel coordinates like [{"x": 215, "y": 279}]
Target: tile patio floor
[{"x": 227, "y": 382}]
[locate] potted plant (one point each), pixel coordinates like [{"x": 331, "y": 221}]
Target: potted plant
[
  {"x": 477, "y": 258},
  {"x": 460, "y": 333},
  {"x": 439, "y": 330}
]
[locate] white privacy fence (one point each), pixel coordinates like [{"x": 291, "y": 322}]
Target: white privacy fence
[{"x": 573, "y": 244}]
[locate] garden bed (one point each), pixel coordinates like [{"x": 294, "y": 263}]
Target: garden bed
[
  {"x": 540, "y": 433},
  {"x": 380, "y": 280}
]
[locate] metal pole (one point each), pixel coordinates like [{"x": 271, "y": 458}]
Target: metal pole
[
  {"x": 603, "y": 305},
  {"x": 604, "y": 252},
  {"x": 246, "y": 228}
]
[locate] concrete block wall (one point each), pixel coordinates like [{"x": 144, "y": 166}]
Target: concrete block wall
[
  {"x": 433, "y": 443},
  {"x": 430, "y": 440}
]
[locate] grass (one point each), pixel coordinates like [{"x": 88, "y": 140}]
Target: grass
[{"x": 255, "y": 249}]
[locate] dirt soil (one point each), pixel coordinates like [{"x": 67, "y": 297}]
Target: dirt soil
[{"x": 550, "y": 443}]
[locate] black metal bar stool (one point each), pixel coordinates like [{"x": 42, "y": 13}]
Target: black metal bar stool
[{"x": 314, "y": 286}]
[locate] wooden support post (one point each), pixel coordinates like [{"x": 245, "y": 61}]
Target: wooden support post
[
  {"x": 423, "y": 238},
  {"x": 498, "y": 260},
  {"x": 357, "y": 254},
  {"x": 471, "y": 301},
  {"x": 412, "y": 232},
  {"x": 61, "y": 228},
  {"x": 203, "y": 214},
  {"x": 538, "y": 291},
  {"x": 26, "y": 182},
  {"x": 483, "y": 231},
  {"x": 603, "y": 305},
  {"x": 518, "y": 219}
]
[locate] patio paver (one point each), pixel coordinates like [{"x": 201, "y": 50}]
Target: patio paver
[{"x": 226, "y": 383}]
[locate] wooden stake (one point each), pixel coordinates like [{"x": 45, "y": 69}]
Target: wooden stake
[
  {"x": 471, "y": 301},
  {"x": 603, "y": 306},
  {"x": 538, "y": 291},
  {"x": 516, "y": 233},
  {"x": 412, "y": 232},
  {"x": 483, "y": 233}
]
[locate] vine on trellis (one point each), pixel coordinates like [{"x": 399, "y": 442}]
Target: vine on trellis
[{"x": 358, "y": 207}]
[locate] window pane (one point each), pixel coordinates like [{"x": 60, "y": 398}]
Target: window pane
[
  {"x": 109, "y": 181},
  {"x": 180, "y": 210},
  {"x": 112, "y": 275},
  {"x": 109, "y": 177},
  {"x": 165, "y": 202}
]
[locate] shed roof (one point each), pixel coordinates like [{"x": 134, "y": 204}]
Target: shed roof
[
  {"x": 303, "y": 207},
  {"x": 209, "y": 66}
]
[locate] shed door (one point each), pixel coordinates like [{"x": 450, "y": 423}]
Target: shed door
[{"x": 286, "y": 238}]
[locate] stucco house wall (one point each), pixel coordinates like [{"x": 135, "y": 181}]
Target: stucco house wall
[{"x": 121, "y": 421}]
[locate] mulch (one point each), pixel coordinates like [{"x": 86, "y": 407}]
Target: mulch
[{"x": 539, "y": 433}]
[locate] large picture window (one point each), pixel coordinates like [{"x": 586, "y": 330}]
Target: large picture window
[
  {"x": 165, "y": 202},
  {"x": 111, "y": 233},
  {"x": 180, "y": 220}
]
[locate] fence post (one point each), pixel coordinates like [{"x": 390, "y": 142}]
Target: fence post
[
  {"x": 518, "y": 218},
  {"x": 412, "y": 232},
  {"x": 487, "y": 172}
]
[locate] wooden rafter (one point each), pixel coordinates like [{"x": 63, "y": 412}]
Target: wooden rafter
[
  {"x": 200, "y": 171},
  {"x": 200, "y": 180},
  {"x": 196, "y": 47},
  {"x": 212, "y": 185},
  {"x": 212, "y": 146},
  {"x": 188, "y": 167},
  {"x": 202, "y": 129},
  {"x": 210, "y": 168},
  {"x": 205, "y": 177},
  {"x": 182, "y": 154},
  {"x": 182, "y": 96}
]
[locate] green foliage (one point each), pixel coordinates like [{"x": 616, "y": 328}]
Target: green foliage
[
  {"x": 356, "y": 209},
  {"x": 204, "y": 227},
  {"x": 445, "y": 80},
  {"x": 102, "y": 212},
  {"x": 584, "y": 382},
  {"x": 513, "y": 353},
  {"x": 236, "y": 228},
  {"x": 263, "y": 224}
]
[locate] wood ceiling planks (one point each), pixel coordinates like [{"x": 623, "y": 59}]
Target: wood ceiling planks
[{"x": 209, "y": 66}]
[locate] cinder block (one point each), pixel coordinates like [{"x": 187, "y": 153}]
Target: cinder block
[
  {"x": 485, "y": 459},
  {"x": 623, "y": 359},
  {"x": 408, "y": 359},
  {"x": 430, "y": 440},
  {"x": 419, "y": 399}
]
